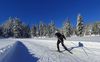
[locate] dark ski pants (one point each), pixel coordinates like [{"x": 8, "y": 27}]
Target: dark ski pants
[{"x": 62, "y": 42}]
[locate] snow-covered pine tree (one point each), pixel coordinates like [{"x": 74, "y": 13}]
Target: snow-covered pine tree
[
  {"x": 52, "y": 29},
  {"x": 95, "y": 29},
  {"x": 24, "y": 32},
  {"x": 7, "y": 28},
  {"x": 33, "y": 31},
  {"x": 67, "y": 28},
  {"x": 1, "y": 29},
  {"x": 79, "y": 25},
  {"x": 61, "y": 30},
  {"x": 28, "y": 30},
  {"x": 37, "y": 30},
  {"x": 86, "y": 32},
  {"x": 5, "y": 32},
  {"x": 48, "y": 30},
  {"x": 45, "y": 30},
  {"x": 41, "y": 28},
  {"x": 10, "y": 27},
  {"x": 16, "y": 31},
  {"x": 18, "y": 23}
]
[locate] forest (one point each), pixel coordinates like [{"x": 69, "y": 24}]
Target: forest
[{"x": 15, "y": 28}]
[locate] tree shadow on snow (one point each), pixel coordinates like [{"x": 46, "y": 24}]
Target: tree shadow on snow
[
  {"x": 79, "y": 45},
  {"x": 21, "y": 54}
]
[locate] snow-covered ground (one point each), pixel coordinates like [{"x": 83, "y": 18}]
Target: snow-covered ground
[{"x": 85, "y": 49}]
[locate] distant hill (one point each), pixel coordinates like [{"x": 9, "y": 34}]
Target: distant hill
[{"x": 90, "y": 25}]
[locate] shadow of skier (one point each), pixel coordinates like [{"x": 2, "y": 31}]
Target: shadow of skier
[
  {"x": 21, "y": 54},
  {"x": 79, "y": 45}
]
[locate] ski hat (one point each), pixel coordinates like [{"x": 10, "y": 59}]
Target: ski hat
[{"x": 56, "y": 31}]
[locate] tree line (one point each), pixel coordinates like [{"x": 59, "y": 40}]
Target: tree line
[{"x": 15, "y": 28}]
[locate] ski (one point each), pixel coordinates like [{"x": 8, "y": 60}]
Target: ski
[
  {"x": 70, "y": 51},
  {"x": 58, "y": 52},
  {"x": 62, "y": 52}
]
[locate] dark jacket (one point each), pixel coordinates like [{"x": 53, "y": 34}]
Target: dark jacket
[{"x": 60, "y": 36}]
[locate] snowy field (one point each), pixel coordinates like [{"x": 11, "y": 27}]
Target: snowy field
[{"x": 85, "y": 49}]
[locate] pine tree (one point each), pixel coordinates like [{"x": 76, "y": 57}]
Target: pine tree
[
  {"x": 95, "y": 29},
  {"x": 33, "y": 31},
  {"x": 18, "y": 23},
  {"x": 16, "y": 31},
  {"x": 5, "y": 32},
  {"x": 87, "y": 32},
  {"x": 41, "y": 28},
  {"x": 79, "y": 25},
  {"x": 37, "y": 30},
  {"x": 48, "y": 30},
  {"x": 24, "y": 30},
  {"x": 27, "y": 30},
  {"x": 52, "y": 29},
  {"x": 67, "y": 28},
  {"x": 10, "y": 27},
  {"x": 1, "y": 29},
  {"x": 44, "y": 30},
  {"x": 7, "y": 28}
]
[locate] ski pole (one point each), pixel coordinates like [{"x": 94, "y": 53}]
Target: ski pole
[
  {"x": 59, "y": 39},
  {"x": 71, "y": 42}
]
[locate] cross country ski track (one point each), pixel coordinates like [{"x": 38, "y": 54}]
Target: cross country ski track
[{"x": 39, "y": 50}]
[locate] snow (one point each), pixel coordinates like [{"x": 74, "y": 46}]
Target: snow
[{"x": 85, "y": 49}]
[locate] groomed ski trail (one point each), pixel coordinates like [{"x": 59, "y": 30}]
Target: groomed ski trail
[
  {"x": 41, "y": 48},
  {"x": 43, "y": 52},
  {"x": 38, "y": 50}
]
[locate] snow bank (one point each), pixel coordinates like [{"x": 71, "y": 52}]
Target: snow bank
[
  {"x": 16, "y": 52},
  {"x": 5, "y": 51}
]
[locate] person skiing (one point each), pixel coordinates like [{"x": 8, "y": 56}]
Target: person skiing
[{"x": 60, "y": 40}]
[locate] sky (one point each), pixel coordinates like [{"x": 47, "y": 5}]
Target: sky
[{"x": 34, "y": 11}]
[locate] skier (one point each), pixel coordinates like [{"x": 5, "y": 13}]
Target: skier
[{"x": 60, "y": 40}]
